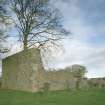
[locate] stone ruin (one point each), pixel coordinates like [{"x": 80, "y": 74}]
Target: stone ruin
[
  {"x": 97, "y": 82},
  {"x": 25, "y": 71}
]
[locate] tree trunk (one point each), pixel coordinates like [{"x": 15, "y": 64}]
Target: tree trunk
[
  {"x": 77, "y": 84},
  {"x": 25, "y": 42}
]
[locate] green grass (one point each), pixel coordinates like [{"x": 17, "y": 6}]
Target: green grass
[{"x": 91, "y": 97}]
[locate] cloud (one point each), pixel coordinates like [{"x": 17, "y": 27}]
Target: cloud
[
  {"x": 74, "y": 20},
  {"x": 80, "y": 53},
  {"x": 85, "y": 20}
]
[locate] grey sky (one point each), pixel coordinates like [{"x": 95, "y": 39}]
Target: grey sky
[{"x": 86, "y": 20}]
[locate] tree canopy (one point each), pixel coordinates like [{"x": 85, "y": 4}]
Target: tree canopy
[{"x": 38, "y": 22}]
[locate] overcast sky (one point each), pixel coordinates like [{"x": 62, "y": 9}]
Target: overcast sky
[{"x": 86, "y": 21}]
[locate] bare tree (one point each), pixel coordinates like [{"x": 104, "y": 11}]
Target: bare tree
[
  {"x": 38, "y": 22},
  {"x": 3, "y": 24}
]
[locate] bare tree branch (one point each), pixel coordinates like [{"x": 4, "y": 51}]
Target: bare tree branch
[{"x": 38, "y": 22}]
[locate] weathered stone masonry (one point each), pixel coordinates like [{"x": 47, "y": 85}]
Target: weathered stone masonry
[
  {"x": 25, "y": 71},
  {"x": 22, "y": 71}
]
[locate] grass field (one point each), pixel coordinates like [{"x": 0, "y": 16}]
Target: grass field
[{"x": 91, "y": 97}]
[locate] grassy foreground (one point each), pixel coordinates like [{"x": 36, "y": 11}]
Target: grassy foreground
[{"x": 91, "y": 97}]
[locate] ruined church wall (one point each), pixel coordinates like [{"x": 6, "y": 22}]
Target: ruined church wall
[
  {"x": 25, "y": 71},
  {"x": 21, "y": 71}
]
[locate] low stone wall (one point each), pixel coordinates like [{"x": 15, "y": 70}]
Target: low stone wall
[{"x": 97, "y": 82}]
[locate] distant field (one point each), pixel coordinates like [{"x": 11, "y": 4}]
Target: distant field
[{"x": 91, "y": 97}]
